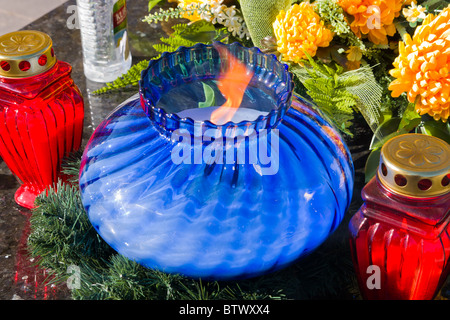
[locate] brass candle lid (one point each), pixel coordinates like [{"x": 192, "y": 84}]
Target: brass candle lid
[
  {"x": 25, "y": 53},
  {"x": 416, "y": 165}
]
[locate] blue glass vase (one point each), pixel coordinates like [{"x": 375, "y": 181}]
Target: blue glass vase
[{"x": 186, "y": 195}]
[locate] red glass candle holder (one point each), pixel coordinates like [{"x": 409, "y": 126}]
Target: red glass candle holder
[
  {"x": 41, "y": 112},
  {"x": 400, "y": 237}
]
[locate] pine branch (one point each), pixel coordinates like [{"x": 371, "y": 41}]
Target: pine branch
[
  {"x": 71, "y": 166},
  {"x": 61, "y": 233}
]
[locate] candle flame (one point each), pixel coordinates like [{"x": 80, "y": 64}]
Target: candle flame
[{"x": 232, "y": 84}]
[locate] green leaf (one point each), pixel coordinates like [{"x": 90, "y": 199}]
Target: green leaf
[
  {"x": 384, "y": 132},
  {"x": 437, "y": 129},
  {"x": 372, "y": 163},
  {"x": 210, "y": 97},
  {"x": 411, "y": 125},
  {"x": 409, "y": 114},
  {"x": 433, "y": 5},
  {"x": 152, "y": 3}
]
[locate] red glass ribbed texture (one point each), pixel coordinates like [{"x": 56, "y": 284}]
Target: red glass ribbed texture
[
  {"x": 41, "y": 121},
  {"x": 407, "y": 238}
]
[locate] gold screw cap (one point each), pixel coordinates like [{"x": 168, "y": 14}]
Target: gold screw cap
[
  {"x": 415, "y": 165},
  {"x": 25, "y": 53}
]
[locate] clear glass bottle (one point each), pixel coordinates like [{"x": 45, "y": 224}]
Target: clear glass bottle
[
  {"x": 104, "y": 36},
  {"x": 403, "y": 228}
]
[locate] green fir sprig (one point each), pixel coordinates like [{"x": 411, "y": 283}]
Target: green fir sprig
[{"x": 61, "y": 233}]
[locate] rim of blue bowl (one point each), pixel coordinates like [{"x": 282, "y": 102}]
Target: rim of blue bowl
[{"x": 171, "y": 121}]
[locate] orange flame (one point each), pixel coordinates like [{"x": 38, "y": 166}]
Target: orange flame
[{"x": 232, "y": 85}]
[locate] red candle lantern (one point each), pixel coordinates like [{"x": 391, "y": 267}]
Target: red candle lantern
[
  {"x": 41, "y": 112},
  {"x": 400, "y": 237}
]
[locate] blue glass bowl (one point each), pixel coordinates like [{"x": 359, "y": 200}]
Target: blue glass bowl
[{"x": 204, "y": 218}]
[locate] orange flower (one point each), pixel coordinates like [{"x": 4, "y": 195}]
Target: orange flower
[
  {"x": 374, "y": 18},
  {"x": 300, "y": 29},
  {"x": 422, "y": 67},
  {"x": 354, "y": 56}
]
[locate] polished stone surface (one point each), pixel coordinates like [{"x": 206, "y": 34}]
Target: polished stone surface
[{"x": 17, "y": 14}]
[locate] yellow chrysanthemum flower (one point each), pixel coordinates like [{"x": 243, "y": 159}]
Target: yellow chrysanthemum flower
[
  {"x": 300, "y": 29},
  {"x": 422, "y": 67},
  {"x": 374, "y": 18}
]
